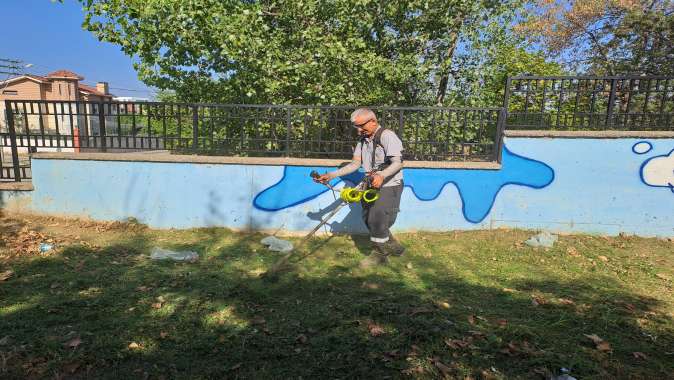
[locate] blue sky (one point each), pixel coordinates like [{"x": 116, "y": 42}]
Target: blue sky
[{"x": 50, "y": 36}]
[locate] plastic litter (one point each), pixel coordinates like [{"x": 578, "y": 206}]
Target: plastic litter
[
  {"x": 165, "y": 254},
  {"x": 46, "y": 247},
  {"x": 543, "y": 239},
  {"x": 276, "y": 244}
]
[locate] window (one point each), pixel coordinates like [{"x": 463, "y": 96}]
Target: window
[{"x": 10, "y": 92}]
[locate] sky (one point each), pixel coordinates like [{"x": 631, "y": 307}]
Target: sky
[{"x": 49, "y": 35}]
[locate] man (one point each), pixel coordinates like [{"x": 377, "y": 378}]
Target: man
[{"x": 385, "y": 174}]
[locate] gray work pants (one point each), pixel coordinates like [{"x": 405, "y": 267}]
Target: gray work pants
[{"x": 380, "y": 215}]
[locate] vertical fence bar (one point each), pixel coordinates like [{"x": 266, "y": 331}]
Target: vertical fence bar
[
  {"x": 101, "y": 126},
  {"x": 500, "y": 126},
  {"x": 506, "y": 98},
  {"x": 288, "y": 130},
  {"x": 609, "y": 108},
  {"x": 9, "y": 112},
  {"x": 195, "y": 128}
]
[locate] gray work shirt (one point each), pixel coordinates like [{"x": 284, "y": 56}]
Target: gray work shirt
[{"x": 392, "y": 147}]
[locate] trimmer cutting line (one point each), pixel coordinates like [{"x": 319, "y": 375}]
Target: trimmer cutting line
[{"x": 362, "y": 191}]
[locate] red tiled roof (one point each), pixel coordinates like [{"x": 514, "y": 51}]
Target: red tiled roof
[
  {"x": 64, "y": 74},
  {"x": 91, "y": 90}
]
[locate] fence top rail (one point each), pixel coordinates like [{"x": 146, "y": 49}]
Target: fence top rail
[
  {"x": 232, "y": 105},
  {"x": 590, "y": 77}
]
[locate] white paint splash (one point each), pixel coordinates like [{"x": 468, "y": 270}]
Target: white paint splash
[{"x": 659, "y": 171}]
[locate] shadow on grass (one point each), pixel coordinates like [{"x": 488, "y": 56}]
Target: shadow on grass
[{"x": 137, "y": 318}]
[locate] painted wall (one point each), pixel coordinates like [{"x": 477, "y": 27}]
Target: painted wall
[{"x": 602, "y": 186}]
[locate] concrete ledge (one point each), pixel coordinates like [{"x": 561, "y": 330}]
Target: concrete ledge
[
  {"x": 275, "y": 161},
  {"x": 16, "y": 186},
  {"x": 592, "y": 134}
]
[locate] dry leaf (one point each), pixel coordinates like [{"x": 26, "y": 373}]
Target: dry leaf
[
  {"x": 538, "y": 300},
  {"x": 71, "y": 368},
  {"x": 258, "y": 320},
  {"x": 73, "y": 343},
  {"x": 134, "y": 346},
  {"x": 508, "y": 290},
  {"x": 471, "y": 319},
  {"x": 604, "y": 346},
  {"x": 639, "y": 355},
  {"x": 301, "y": 339},
  {"x": 600, "y": 344},
  {"x": 662, "y": 276},
  {"x": 566, "y": 301},
  {"x": 157, "y": 305},
  {"x": 6, "y": 275},
  {"x": 235, "y": 366},
  {"x": 143, "y": 288},
  {"x": 603, "y": 258},
  {"x": 420, "y": 310},
  {"x": 370, "y": 285},
  {"x": 443, "y": 368},
  {"x": 502, "y": 322},
  {"x": 163, "y": 334},
  {"x": 572, "y": 251},
  {"x": 161, "y": 299},
  {"x": 409, "y": 266},
  {"x": 375, "y": 329}
]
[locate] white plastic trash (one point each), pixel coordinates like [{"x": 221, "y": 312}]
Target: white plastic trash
[
  {"x": 165, "y": 254},
  {"x": 276, "y": 244},
  {"x": 543, "y": 239}
]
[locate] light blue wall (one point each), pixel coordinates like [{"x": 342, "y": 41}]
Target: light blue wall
[{"x": 574, "y": 185}]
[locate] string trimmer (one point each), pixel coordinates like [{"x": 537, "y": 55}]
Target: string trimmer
[{"x": 347, "y": 195}]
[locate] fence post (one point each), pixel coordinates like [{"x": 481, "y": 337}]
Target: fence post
[
  {"x": 506, "y": 96},
  {"x": 101, "y": 126},
  {"x": 500, "y": 126},
  {"x": 288, "y": 130},
  {"x": 195, "y": 128},
  {"x": 611, "y": 99},
  {"x": 9, "y": 112}
]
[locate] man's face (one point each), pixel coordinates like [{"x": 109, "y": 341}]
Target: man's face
[{"x": 366, "y": 126}]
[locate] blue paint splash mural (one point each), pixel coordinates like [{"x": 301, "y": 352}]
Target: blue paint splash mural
[{"x": 477, "y": 188}]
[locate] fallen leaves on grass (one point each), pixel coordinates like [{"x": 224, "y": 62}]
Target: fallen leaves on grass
[
  {"x": 442, "y": 367},
  {"x": 301, "y": 339},
  {"x": 662, "y": 276},
  {"x": 4, "y": 276},
  {"x": 639, "y": 355},
  {"x": 375, "y": 329},
  {"x": 134, "y": 346},
  {"x": 600, "y": 344},
  {"x": 566, "y": 301},
  {"x": 73, "y": 343},
  {"x": 572, "y": 252},
  {"x": 603, "y": 258},
  {"x": 538, "y": 300},
  {"x": 471, "y": 319},
  {"x": 502, "y": 323}
]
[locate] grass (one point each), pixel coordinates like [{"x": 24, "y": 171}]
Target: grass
[{"x": 459, "y": 305}]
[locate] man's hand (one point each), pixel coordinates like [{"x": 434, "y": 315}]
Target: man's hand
[
  {"x": 323, "y": 178},
  {"x": 377, "y": 180}
]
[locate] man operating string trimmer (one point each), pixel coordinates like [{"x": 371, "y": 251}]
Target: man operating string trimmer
[{"x": 379, "y": 151}]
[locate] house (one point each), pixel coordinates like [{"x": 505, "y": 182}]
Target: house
[
  {"x": 59, "y": 115},
  {"x": 59, "y": 85}
]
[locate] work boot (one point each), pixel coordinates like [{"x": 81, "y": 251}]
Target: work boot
[
  {"x": 379, "y": 256},
  {"x": 394, "y": 247}
]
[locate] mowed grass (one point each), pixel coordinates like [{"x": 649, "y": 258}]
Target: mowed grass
[{"x": 457, "y": 305}]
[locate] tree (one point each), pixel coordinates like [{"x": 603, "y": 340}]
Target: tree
[
  {"x": 605, "y": 36},
  {"x": 300, "y": 51}
]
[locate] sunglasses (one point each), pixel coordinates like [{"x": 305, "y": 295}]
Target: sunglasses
[{"x": 362, "y": 124}]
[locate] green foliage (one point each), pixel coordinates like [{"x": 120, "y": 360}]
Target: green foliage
[{"x": 303, "y": 52}]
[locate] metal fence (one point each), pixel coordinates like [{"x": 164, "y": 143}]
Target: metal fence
[
  {"x": 635, "y": 103},
  {"x": 428, "y": 133}
]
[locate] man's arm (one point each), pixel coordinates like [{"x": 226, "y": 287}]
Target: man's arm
[{"x": 351, "y": 167}]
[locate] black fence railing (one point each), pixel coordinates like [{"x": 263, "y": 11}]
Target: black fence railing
[
  {"x": 637, "y": 103},
  {"x": 429, "y": 133}
]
